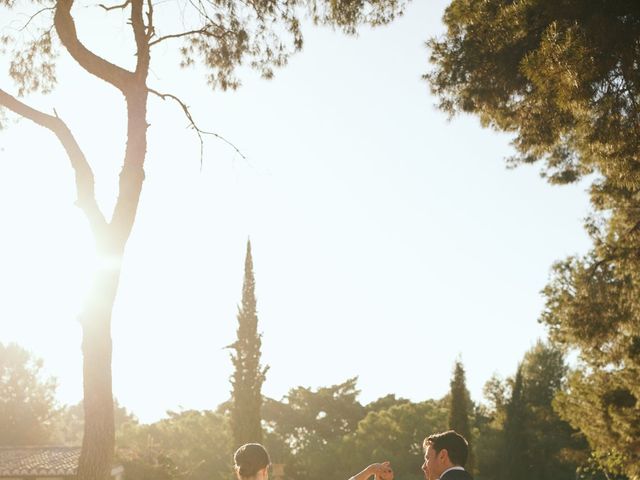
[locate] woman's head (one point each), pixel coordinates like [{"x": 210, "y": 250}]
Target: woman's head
[{"x": 250, "y": 459}]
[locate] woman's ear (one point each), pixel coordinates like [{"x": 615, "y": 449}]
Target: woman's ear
[{"x": 265, "y": 473}]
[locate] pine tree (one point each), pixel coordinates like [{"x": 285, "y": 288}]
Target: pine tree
[
  {"x": 460, "y": 407},
  {"x": 562, "y": 79},
  {"x": 248, "y": 375}
]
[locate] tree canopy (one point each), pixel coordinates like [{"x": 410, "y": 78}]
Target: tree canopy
[
  {"x": 564, "y": 78},
  {"x": 192, "y": 444},
  {"x": 396, "y": 434},
  {"x": 27, "y": 399}
]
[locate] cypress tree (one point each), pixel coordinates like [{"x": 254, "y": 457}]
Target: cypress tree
[
  {"x": 460, "y": 407},
  {"x": 248, "y": 375},
  {"x": 516, "y": 465}
]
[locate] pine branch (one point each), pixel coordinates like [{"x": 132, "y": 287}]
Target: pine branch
[
  {"x": 205, "y": 31},
  {"x": 192, "y": 123}
]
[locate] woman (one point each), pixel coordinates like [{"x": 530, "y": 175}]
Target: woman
[{"x": 252, "y": 462}]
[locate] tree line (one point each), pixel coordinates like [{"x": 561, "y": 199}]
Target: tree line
[{"x": 515, "y": 432}]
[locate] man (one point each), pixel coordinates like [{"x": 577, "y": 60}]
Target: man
[{"x": 444, "y": 457}]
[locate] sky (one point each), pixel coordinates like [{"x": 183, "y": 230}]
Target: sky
[{"x": 388, "y": 240}]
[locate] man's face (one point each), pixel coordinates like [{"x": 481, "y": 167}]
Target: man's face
[{"x": 432, "y": 466}]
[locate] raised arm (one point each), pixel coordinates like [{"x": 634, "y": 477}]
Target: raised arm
[{"x": 382, "y": 471}]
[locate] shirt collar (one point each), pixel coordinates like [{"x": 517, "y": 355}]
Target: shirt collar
[{"x": 457, "y": 467}]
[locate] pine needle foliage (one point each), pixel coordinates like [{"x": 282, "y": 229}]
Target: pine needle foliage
[{"x": 563, "y": 78}]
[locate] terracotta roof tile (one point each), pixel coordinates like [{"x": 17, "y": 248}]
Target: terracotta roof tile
[{"x": 38, "y": 461}]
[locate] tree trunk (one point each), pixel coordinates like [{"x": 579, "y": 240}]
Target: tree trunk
[{"x": 98, "y": 442}]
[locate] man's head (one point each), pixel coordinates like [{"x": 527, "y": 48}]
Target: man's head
[{"x": 443, "y": 451}]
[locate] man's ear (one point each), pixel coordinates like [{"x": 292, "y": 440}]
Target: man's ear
[{"x": 443, "y": 455}]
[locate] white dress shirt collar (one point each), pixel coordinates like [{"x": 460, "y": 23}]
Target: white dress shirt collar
[{"x": 457, "y": 467}]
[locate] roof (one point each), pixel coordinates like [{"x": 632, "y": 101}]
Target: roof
[{"x": 39, "y": 461}]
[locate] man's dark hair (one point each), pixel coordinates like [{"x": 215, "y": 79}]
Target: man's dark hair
[{"x": 451, "y": 441}]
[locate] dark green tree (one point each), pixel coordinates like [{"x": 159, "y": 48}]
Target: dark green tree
[
  {"x": 219, "y": 35},
  {"x": 248, "y": 375},
  {"x": 554, "y": 449},
  {"x": 591, "y": 307},
  {"x": 460, "y": 408},
  {"x": 516, "y": 461},
  {"x": 489, "y": 418},
  {"x": 563, "y": 78},
  {"x": 537, "y": 443},
  {"x": 27, "y": 400}
]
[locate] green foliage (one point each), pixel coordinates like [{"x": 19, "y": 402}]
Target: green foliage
[
  {"x": 396, "y": 434},
  {"x": 309, "y": 419},
  {"x": 265, "y": 33},
  {"x": 383, "y": 403},
  {"x": 489, "y": 444},
  {"x": 560, "y": 75},
  {"x": 554, "y": 450},
  {"x": 194, "y": 445},
  {"x": 563, "y": 77},
  {"x": 515, "y": 444},
  {"x": 600, "y": 405},
  {"x": 248, "y": 375},
  {"x": 27, "y": 404},
  {"x": 223, "y": 36},
  {"x": 309, "y": 428},
  {"x": 591, "y": 307},
  {"x": 460, "y": 408},
  {"x": 327, "y": 433},
  {"x": 460, "y": 403},
  {"x": 521, "y": 435}
]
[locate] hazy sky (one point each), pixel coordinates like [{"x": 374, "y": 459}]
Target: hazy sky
[{"x": 387, "y": 240}]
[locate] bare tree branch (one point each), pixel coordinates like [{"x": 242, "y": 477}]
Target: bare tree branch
[
  {"x": 193, "y": 124},
  {"x": 201, "y": 31},
  {"x": 84, "y": 175},
  {"x": 34, "y": 16},
  {"x": 142, "y": 41},
  {"x": 92, "y": 63},
  {"x": 150, "y": 28},
  {"x": 115, "y": 7}
]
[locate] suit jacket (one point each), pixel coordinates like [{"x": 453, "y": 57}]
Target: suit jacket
[{"x": 456, "y": 475}]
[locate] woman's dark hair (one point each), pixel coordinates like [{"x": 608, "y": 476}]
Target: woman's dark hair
[{"x": 250, "y": 459}]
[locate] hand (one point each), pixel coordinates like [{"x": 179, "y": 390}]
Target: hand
[{"x": 382, "y": 471}]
